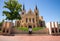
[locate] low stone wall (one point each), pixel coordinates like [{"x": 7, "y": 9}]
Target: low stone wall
[
  {"x": 15, "y": 31},
  {"x": 44, "y": 31}
]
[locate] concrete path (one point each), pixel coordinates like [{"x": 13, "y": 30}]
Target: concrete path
[{"x": 29, "y": 38}]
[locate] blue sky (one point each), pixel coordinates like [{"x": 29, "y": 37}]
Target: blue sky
[{"x": 49, "y": 9}]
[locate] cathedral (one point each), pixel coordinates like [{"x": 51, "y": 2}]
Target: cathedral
[{"x": 30, "y": 19}]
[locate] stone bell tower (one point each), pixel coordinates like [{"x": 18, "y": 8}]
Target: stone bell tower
[
  {"x": 37, "y": 15},
  {"x": 23, "y": 10}
]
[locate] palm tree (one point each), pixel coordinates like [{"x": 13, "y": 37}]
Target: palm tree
[{"x": 14, "y": 8}]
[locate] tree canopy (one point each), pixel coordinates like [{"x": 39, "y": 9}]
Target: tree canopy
[{"x": 14, "y": 8}]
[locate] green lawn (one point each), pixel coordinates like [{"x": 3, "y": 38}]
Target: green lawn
[
  {"x": 22, "y": 28},
  {"x": 26, "y": 29}
]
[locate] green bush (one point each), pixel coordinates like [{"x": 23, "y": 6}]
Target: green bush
[
  {"x": 22, "y": 28},
  {"x": 37, "y": 28}
]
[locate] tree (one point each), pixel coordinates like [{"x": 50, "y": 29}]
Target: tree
[{"x": 14, "y": 8}]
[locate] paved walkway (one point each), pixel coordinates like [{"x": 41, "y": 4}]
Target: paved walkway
[{"x": 29, "y": 38}]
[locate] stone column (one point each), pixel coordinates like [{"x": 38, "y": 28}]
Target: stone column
[
  {"x": 50, "y": 28},
  {"x": 54, "y": 27},
  {"x": 8, "y": 27},
  {"x": 57, "y": 27},
  {"x": 4, "y": 27}
]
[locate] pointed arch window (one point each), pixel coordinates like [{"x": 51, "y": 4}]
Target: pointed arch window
[
  {"x": 36, "y": 14},
  {"x": 26, "y": 20},
  {"x": 29, "y": 19},
  {"x": 22, "y": 12},
  {"x": 33, "y": 20}
]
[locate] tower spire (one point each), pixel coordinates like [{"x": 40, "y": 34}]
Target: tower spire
[
  {"x": 23, "y": 7},
  {"x": 36, "y": 7}
]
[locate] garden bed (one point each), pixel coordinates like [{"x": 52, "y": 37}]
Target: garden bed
[
  {"x": 26, "y": 29},
  {"x": 0, "y": 32},
  {"x": 36, "y": 30}
]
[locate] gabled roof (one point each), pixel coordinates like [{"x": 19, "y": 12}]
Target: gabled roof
[{"x": 30, "y": 11}]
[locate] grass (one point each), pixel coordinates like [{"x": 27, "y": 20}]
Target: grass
[
  {"x": 26, "y": 29},
  {"x": 37, "y": 28},
  {"x": 22, "y": 28}
]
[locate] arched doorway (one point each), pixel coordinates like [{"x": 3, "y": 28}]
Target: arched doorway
[{"x": 29, "y": 26}]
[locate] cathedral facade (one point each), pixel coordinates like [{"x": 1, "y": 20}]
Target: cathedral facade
[{"x": 30, "y": 19}]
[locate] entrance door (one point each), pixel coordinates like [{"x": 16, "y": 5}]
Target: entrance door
[{"x": 29, "y": 26}]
